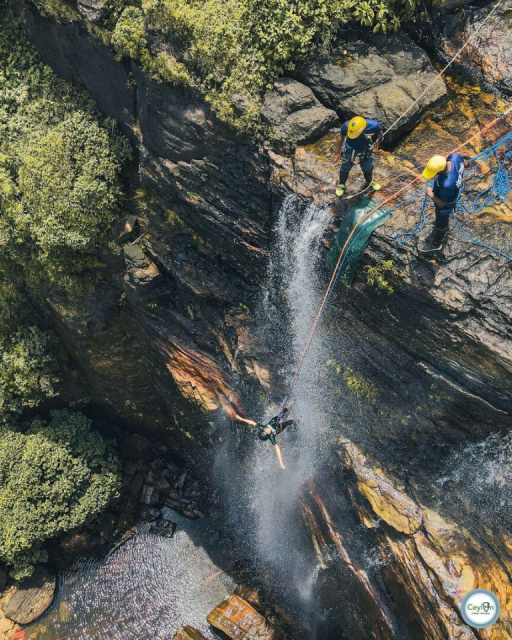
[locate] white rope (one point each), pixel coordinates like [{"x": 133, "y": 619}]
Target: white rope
[{"x": 441, "y": 73}]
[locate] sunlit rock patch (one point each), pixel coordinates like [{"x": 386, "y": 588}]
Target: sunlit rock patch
[{"x": 431, "y": 567}]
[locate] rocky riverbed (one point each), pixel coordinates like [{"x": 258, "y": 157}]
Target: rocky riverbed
[{"x": 402, "y": 388}]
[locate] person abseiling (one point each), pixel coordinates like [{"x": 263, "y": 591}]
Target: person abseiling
[
  {"x": 448, "y": 174},
  {"x": 359, "y": 136},
  {"x": 271, "y": 429}
]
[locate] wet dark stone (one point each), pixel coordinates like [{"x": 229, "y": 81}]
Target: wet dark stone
[
  {"x": 489, "y": 50},
  {"x": 296, "y": 116},
  {"x": 32, "y": 597},
  {"x": 380, "y": 79}
]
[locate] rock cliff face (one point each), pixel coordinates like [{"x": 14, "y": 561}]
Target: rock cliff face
[
  {"x": 429, "y": 368},
  {"x": 157, "y": 340},
  {"x": 161, "y": 340},
  {"x": 488, "y": 52}
]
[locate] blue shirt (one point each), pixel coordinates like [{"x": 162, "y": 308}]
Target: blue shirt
[
  {"x": 447, "y": 186},
  {"x": 362, "y": 142}
]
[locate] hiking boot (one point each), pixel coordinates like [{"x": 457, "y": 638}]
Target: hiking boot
[
  {"x": 340, "y": 190},
  {"x": 372, "y": 184},
  {"x": 434, "y": 241}
]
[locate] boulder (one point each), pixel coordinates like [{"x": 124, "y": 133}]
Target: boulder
[
  {"x": 251, "y": 594},
  {"x": 149, "y": 514},
  {"x": 188, "y": 633},
  {"x": 295, "y": 115},
  {"x": 239, "y": 621},
  {"x": 140, "y": 270},
  {"x": 150, "y": 495},
  {"x": 93, "y": 10},
  {"x": 489, "y": 51},
  {"x": 134, "y": 257},
  {"x": 381, "y": 80},
  {"x": 31, "y": 597}
]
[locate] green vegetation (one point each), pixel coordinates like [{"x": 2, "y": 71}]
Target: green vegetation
[
  {"x": 362, "y": 388},
  {"x": 59, "y": 168},
  {"x": 54, "y": 477},
  {"x": 59, "y": 193},
  {"x": 26, "y": 372},
  {"x": 60, "y": 9},
  {"x": 376, "y": 275},
  {"x": 233, "y": 50},
  {"x": 129, "y": 39}
]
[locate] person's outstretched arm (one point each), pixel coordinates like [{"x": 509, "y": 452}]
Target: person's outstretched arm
[
  {"x": 279, "y": 456},
  {"x": 245, "y": 420}
]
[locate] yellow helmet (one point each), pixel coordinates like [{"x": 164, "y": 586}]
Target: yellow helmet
[
  {"x": 356, "y": 127},
  {"x": 434, "y": 166}
]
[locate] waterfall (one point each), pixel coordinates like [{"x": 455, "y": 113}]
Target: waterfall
[{"x": 290, "y": 303}]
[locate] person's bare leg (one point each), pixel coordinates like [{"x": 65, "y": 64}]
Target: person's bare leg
[
  {"x": 289, "y": 405},
  {"x": 279, "y": 456}
]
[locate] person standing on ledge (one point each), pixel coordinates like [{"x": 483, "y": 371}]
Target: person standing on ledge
[
  {"x": 271, "y": 429},
  {"x": 360, "y": 137},
  {"x": 449, "y": 180}
]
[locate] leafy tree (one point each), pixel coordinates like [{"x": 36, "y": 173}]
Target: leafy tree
[
  {"x": 59, "y": 167},
  {"x": 67, "y": 191},
  {"x": 54, "y": 477},
  {"x": 129, "y": 39},
  {"x": 26, "y": 372}
]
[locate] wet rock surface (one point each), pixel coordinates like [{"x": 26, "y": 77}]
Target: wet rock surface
[
  {"x": 490, "y": 42},
  {"x": 295, "y": 115},
  {"x": 239, "y": 621},
  {"x": 381, "y": 79},
  {"x": 188, "y": 633},
  {"x": 31, "y": 597},
  {"x": 414, "y": 376},
  {"x": 434, "y": 565},
  {"x": 465, "y": 286}
]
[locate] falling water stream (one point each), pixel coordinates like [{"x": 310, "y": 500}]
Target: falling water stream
[
  {"x": 263, "y": 502},
  {"x": 292, "y": 300}
]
